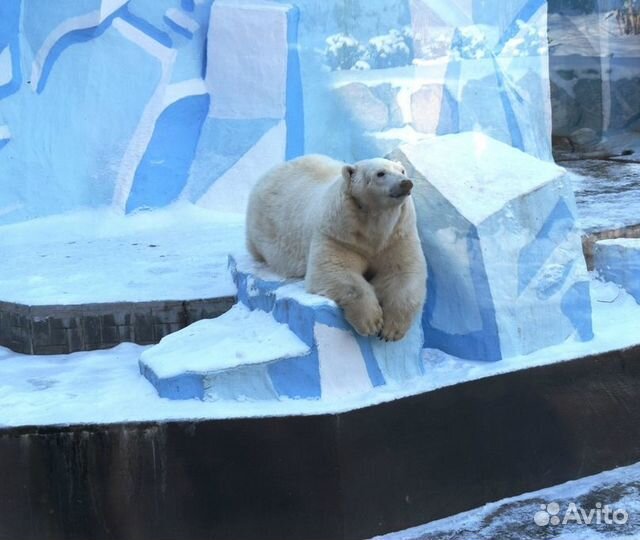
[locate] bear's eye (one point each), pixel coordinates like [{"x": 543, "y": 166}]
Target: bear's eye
[
  {"x": 403, "y": 172},
  {"x": 380, "y": 174}
]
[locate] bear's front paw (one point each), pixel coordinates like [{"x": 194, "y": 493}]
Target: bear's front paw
[
  {"x": 365, "y": 319},
  {"x": 394, "y": 329}
]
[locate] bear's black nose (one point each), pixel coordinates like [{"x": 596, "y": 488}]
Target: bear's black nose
[
  {"x": 406, "y": 186},
  {"x": 401, "y": 189}
]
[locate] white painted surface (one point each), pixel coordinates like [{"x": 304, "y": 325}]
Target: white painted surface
[
  {"x": 155, "y": 106},
  {"x": 6, "y": 66},
  {"x": 230, "y": 192},
  {"x": 247, "y": 60},
  {"x": 183, "y": 20},
  {"x": 342, "y": 368}
]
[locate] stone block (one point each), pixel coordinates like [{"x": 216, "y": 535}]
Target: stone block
[
  {"x": 498, "y": 229},
  {"x": 618, "y": 260},
  {"x": 366, "y": 110}
]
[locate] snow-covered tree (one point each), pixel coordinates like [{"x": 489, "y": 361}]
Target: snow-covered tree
[
  {"x": 390, "y": 50},
  {"x": 342, "y": 51},
  {"x": 469, "y": 42}
]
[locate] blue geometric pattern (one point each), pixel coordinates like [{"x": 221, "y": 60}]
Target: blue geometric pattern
[
  {"x": 348, "y": 111},
  {"x": 619, "y": 261},
  {"x": 164, "y": 169},
  {"x": 506, "y": 270}
]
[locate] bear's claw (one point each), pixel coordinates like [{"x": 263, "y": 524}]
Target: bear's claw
[
  {"x": 392, "y": 332},
  {"x": 367, "y": 326}
]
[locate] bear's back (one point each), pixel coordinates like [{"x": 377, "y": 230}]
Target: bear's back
[
  {"x": 316, "y": 168},
  {"x": 285, "y": 206}
]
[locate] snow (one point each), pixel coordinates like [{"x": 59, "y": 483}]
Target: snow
[
  {"x": 246, "y": 263},
  {"x": 485, "y": 180},
  {"x": 96, "y": 256},
  {"x": 106, "y": 386},
  {"x": 238, "y": 337},
  {"x": 344, "y": 52},
  {"x": 633, "y": 243},
  {"x": 532, "y": 40},
  {"x": 406, "y": 134},
  {"x": 286, "y": 288},
  {"x": 594, "y": 34},
  {"x": 470, "y": 42},
  {"x": 607, "y": 193},
  {"x": 615, "y": 322},
  {"x": 296, "y": 291},
  {"x": 514, "y": 517}
]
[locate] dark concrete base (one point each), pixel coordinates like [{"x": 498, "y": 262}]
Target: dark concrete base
[
  {"x": 66, "y": 329},
  {"x": 327, "y": 477}
]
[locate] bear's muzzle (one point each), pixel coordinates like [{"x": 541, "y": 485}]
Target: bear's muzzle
[{"x": 401, "y": 189}]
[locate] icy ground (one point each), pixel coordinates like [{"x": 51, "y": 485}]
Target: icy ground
[
  {"x": 513, "y": 518},
  {"x": 106, "y": 386},
  {"x": 607, "y": 193},
  {"x": 101, "y": 256}
]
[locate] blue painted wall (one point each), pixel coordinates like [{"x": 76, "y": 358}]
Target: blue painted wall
[{"x": 110, "y": 103}]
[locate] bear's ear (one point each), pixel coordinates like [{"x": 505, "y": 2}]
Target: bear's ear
[{"x": 347, "y": 173}]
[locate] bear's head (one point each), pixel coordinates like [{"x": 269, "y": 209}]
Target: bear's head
[{"x": 377, "y": 184}]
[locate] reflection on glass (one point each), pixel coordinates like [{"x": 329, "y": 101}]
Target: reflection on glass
[{"x": 595, "y": 76}]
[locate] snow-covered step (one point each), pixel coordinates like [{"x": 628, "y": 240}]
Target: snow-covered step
[
  {"x": 277, "y": 342},
  {"x": 618, "y": 260},
  {"x": 232, "y": 354}
]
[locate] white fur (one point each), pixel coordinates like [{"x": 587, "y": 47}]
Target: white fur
[{"x": 350, "y": 230}]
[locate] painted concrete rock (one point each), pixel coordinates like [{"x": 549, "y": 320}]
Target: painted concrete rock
[
  {"x": 277, "y": 342},
  {"x": 618, "y": 261},
  {"x": 498, "y": 228}
]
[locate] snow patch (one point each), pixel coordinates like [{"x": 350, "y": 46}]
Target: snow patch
[
  {"x": 177, "y": 253},
  {"x": 486, "y": 180},
  {"x": 239, "y": 337}
]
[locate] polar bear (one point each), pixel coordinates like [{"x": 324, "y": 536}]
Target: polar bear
[{"x": 350, "y": 230}]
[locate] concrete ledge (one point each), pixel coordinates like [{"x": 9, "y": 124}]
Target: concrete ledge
[
  {"x": 66, "y": 329},
  {"x": 345, "y": 476},
  {"x": 618, "y": 260},
  {"x": 589, "y": 240}
]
